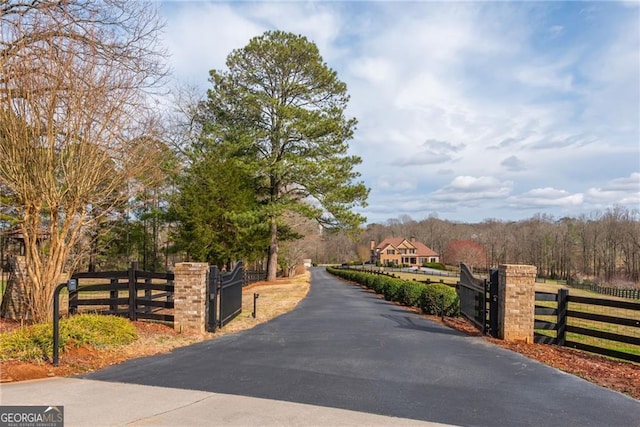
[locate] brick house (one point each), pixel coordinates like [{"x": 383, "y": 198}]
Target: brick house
[{"x": 400, "y": 251}]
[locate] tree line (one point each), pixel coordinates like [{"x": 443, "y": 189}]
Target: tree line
[{"x": 603, "y": 245}]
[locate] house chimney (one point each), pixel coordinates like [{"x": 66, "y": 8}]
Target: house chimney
[
  {"x": 372, "y": 245},
  {"x": 412, "y": 239}
]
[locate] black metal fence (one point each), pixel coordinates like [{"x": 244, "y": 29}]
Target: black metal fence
[
  {"x": 605, "y": 290},
  {"x": 479, "y": 300},
  {"x": 629, "y": 293},
  {"x": 224, "y": 295},
  {"x": 602, "y": 326},
  {"x": 131, "y": 293},
  {"x": 252, "y": 276}
]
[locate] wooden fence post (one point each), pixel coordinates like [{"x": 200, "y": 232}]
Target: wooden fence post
[
  {"x": 133, "y": 291},
  {"x": 563, "y": 305},
  {"x": 113, "y": 296}
]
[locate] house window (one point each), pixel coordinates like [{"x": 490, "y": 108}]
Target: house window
[
  {"x": 433, "y": 260},
  {"x": 391, "y": 252}
]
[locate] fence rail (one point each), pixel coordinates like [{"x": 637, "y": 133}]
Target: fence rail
[
  {"x": 603, "y": 326},
  {"x": 614, "y": 292},
  {"x": 147, "y": 295},
  {"x": 252, "y": 276}
]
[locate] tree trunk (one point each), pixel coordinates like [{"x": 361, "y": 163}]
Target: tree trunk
[{"x": 272, "y": 264}]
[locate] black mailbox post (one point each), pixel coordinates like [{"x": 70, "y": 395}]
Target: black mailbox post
[{"x": 72, "y": 286}]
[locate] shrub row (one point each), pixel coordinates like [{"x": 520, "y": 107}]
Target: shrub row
[
  {"x": 435, "y": 299},
  {"x": 35, "y": 342}
]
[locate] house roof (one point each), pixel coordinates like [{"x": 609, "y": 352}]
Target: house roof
[{"x": 401, "y": 242}]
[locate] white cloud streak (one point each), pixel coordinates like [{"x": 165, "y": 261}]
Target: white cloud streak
[{"x": 490, "y": 104}]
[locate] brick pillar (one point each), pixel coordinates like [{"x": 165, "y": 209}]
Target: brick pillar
[
  {"x": 190, "y": 297},
  {"x": 516, "y": 290}
]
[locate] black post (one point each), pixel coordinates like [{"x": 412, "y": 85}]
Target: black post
[
  {"x": 442, "y": 307},
  {"x": 255, "y": 298},
  {"x": 72, "y": 286},
  {"x": 56, "y": 322},
  {"x": 113, "y": 296},
  {"x": 132, "y": 291},
  {"x": 148, "y": 295},
  {"x": 486, "y": 324},
  {"x": 212, "y": 298},
  {"x": 563, "y": 305},
  {"x": 72, "y": 303},
  {"x": 493, "y": 302}
]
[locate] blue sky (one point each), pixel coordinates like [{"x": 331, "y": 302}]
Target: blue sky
[{"x": 466, "y": 110}]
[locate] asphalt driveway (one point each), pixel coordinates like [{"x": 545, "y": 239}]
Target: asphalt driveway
[{"x": 345, "y": 348}]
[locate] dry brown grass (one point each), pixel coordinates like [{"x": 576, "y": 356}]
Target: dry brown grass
[{"x": 274, "y": 300}]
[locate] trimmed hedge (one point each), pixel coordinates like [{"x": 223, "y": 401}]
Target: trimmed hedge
[
  {"x": 410, "y": 294},
  {"x": 439, "y": 298},
  {"x": 430, "y": 298},
  {"x": 435, "y": 265}
]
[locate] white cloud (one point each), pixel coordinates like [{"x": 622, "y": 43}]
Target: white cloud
[
  {"x": 469, "y": 188},
  {"x": 546, "y": 77},
  {"x": 513, "y": 164},
  {"x": 432, "y": 152},
  {"x": 556, "y": 31},
  {"x": 200, "y": 35},
  {"x": 619, "y": 191},
  {"x": 375, "y": 71},
  {"x": 546, "y": 198}
]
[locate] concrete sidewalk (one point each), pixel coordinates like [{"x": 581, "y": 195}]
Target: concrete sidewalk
[{"x": 99, "y": 403}]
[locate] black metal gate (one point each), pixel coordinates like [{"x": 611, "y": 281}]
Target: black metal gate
[
  {"x": 491, "y": 292},
  {"x": 479, "y": 300},
  {"x": 224, "y": 296}
]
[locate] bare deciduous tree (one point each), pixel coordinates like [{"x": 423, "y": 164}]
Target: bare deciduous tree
[{"x": 74, "y": 116}]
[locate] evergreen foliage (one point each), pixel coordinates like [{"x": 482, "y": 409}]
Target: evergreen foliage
[
  {"x": 217, "y": 212},
  {"x": 276, "y": 115}
]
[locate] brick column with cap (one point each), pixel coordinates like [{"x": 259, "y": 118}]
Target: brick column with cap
[
  {"x": 190, "y": 297},
  {"x": 516, "y": 301}
]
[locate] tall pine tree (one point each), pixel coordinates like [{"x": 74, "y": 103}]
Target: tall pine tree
[{"x": 278, "y": 112}]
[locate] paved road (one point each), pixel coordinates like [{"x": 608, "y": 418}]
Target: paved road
[{"x": 344, "y": 348}]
